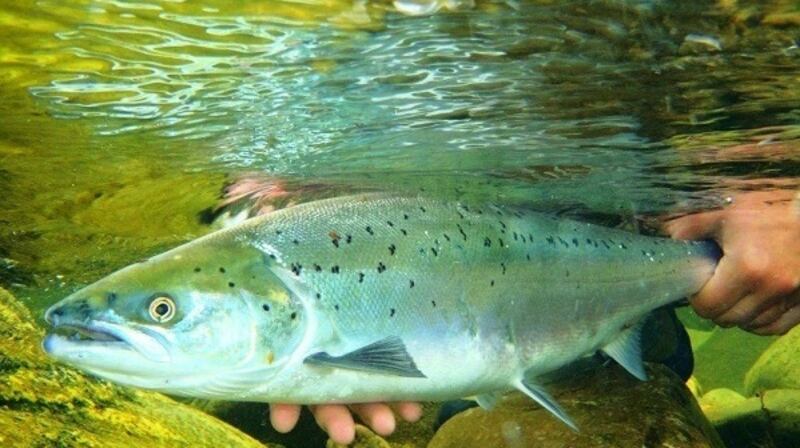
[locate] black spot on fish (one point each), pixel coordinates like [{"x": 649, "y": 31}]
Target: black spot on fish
[
  {"x": 317, "y": 267},
  {"x": 503, "y": 265},
  {"x": 405, "y": 216},
  {"x": 433, "y": 302},
  {"x": 589, "y": 241},
  {"x": 403, "y": 231},
  {"x": 336, "y": 307},
  {"x": 369, "y": 230},
  {"x": 381, "y": 267},
  {"x": 265, "y": 307},
  {"x": 231, "y": 284},
  {"x": 422, "y": 250},
  {"x": 566, "y": 244},
  {"x": 222, "y": 270},
  {"x": 446, "y": 237},
  {"x": 318, "y": 296},
  {"x": 516, "y": 237},
  {"x": 605, "y": 244},
  {"x": 293, "y": 315},
  {"x": 197, "y": 269},
  {"x": 575, "y": 242},
  {"x": 502, "y": 224},
  {"x": 433, "y": 250},
  {"x": 295, "y": 242},
  {"x": 392, "y": 249},
  {"x": 522, "y": 237},
  {"x": 502, "y": 244},
  {"x": 348, "y": 239},
  {"x": 335, "y": 269},
  {"x": 296, "y": 268},
  {"x": 550, "y": 240},
  {"x": 111, "y": 298},
  {"x": 391, "y": 224},
  {"x": 623, "y": 246},
  {"x": 422, "y": 209},
  {"x": 567, "y": 272},
  {"x": 530, "y": 238},
  {"x": 528, "y": 256},
  {"x": 460, "y": 215},
  {"x": 361, "y": 277},
  {"x": 487, "y": 242},
  {"x": 278, "y": 232},
  {"x": 491, "y": 283},
  {"x": 272, "y": 256},
  {"x": 335, "y": 243},
  {"x": 391, "y": 312},
  {"x": 461, "y": 231},
  {"x": 411, "y": 283}
]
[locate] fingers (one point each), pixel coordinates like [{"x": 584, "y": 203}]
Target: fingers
[
  {"x": 722, "y": 292},
  {"x": 408, "y": 410},
  {"x": 781, "y": 325},
  {"x": 283, "y": 417},
  {"x": 335, "y": 419},
  {"x": 692, "y": 227},
  {"x": 745, "y": 312},
  {"x": 377, "y": 416}
]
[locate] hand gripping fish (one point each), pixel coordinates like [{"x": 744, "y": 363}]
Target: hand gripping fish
[{"x": 376, "y": 298}]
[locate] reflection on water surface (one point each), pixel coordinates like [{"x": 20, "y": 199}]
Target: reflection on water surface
[{"x": 122, "y": 119}]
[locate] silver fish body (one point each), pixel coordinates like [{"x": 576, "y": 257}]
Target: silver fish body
[{"x": 372, "y": 298}]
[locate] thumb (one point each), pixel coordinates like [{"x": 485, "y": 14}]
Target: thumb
[{"x": 697, "y": 226}]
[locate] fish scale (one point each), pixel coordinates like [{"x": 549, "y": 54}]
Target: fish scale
[{"x": 378, "y": 297}]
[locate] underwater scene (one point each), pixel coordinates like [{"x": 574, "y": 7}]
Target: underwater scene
[{"x": 407, "y": 223}]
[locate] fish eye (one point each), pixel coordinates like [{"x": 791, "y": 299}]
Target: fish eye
[{"x": 162, "y": 308}]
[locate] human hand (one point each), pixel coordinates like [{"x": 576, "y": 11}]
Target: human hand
[
  {"x": 337, "y": 419},
  {"x": 757, "y": 282}
]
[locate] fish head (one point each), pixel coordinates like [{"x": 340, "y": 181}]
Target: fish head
[{"x": 197, "y": 321}]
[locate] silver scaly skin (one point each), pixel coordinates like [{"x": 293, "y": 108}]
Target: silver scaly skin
[{"x": 373, "y": 298}]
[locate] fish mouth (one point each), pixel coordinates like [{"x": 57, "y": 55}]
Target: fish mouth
[
  {"x": 81, "y": 341},
  {"x": 85, "y": 334}
]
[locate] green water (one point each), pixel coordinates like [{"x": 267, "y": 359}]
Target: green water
[{"x": 120, "y": 121}]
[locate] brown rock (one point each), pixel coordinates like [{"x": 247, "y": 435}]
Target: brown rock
[{"x": 611, "y": 408}]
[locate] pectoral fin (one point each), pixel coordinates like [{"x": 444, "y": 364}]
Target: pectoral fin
[
  {"x": 545, "y": 400},
  {"x": 387, "y": 356},
  {"x": 626, "y": 349}
]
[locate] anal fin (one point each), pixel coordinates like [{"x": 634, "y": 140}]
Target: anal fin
[
  {"x": 488, "y": 400},
  {"x": 546, "y": 401},
  {"x": 387, "y": 356},
  {"x": 626, "y": 349}
]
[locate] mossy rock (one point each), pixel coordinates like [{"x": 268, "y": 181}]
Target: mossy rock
[
  {"x": 611, "y": 408},
  {"x": 43, "y": 404},
  {"x": 778, "y": 367},
  {"x": 771, "y": 420}
]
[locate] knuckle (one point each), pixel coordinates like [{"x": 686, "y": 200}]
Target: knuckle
[{"x": 785, "y": 283}]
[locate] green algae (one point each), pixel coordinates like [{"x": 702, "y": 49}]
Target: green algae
[{"x": 43, "y": 404}]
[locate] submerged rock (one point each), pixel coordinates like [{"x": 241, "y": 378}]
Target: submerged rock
[
  {"x": 771, "y": 420},
  {"x": 43, "y": 404},
  {"x": 611, "y": 408}
]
